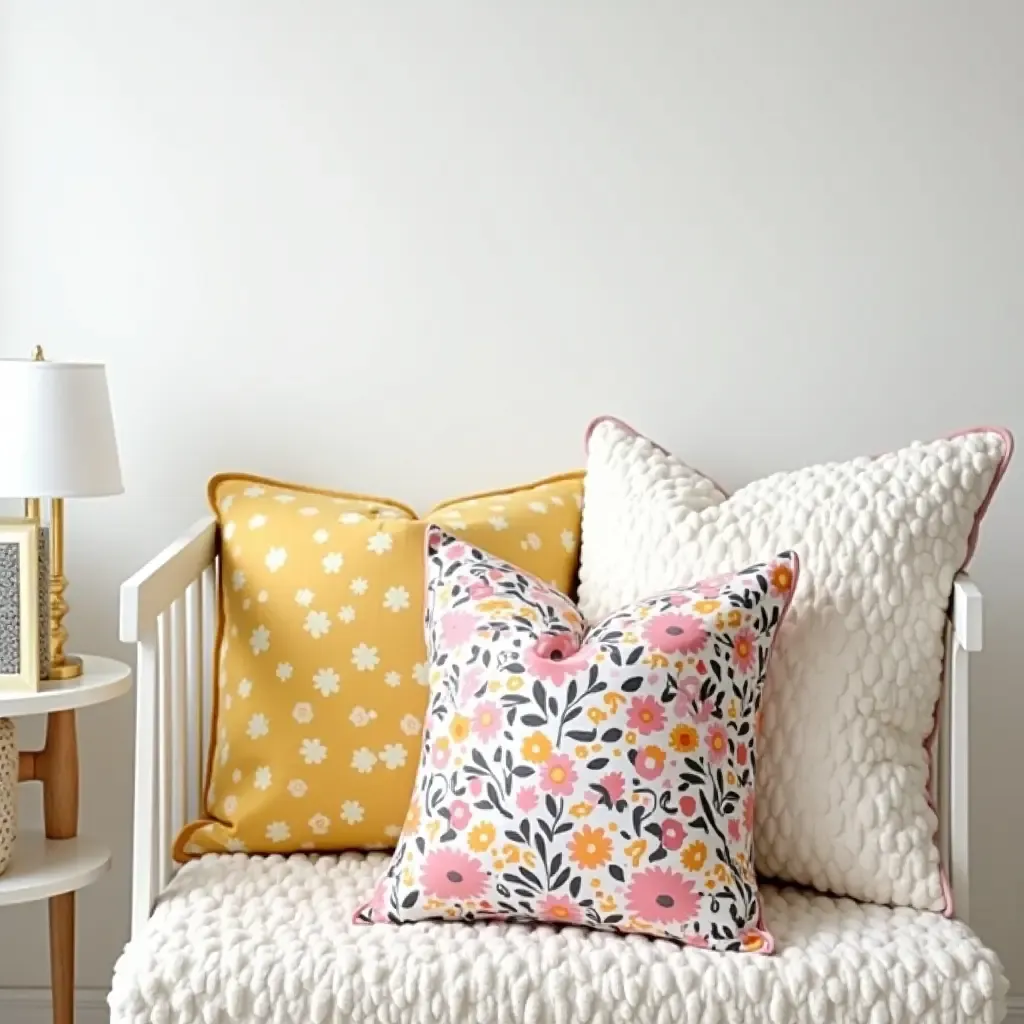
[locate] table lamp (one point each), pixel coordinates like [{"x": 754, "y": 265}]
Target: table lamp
[{"x": 56, "y": 441}]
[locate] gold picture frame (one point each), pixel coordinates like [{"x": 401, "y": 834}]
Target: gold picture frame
[{"x": 19, "y": 605}]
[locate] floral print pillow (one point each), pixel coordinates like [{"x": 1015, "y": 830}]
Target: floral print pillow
[{"x": 599, "y": 776}]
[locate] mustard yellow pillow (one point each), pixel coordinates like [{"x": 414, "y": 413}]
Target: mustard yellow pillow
[{"x": 321, "y": 675}]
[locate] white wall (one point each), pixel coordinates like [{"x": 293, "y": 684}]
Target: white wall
[{"x": 412, "y": 249}]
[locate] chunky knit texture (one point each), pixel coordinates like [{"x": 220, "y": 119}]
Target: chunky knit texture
[{"x": 239, "y": 940}]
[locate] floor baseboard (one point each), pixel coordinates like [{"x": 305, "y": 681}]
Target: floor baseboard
[{"x": 32, "y": 1006}]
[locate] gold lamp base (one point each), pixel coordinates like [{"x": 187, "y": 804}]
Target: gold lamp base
[
  {"x": 62, "y": 666},
  {"x": 71, "y": 669}
]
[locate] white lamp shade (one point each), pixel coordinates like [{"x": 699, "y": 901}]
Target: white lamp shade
[{"x": 56, "y": 431}]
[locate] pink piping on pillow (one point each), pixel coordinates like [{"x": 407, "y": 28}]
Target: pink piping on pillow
[{"x": 972, "y": 541}]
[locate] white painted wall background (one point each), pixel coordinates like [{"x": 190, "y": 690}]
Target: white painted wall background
[{"x": 413, "y": 251}]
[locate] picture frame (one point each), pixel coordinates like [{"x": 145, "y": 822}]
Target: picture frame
[{"x": 20, "y": 668}]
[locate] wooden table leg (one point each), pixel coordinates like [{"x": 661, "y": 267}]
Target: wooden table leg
[
  {"x": 57, "y": 768},
  {"x": 62, "y": 957}
]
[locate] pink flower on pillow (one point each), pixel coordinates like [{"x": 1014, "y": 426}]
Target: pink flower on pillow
[
  {"x": 526, "y": 799},
  {"x": 457, "y": 628},
  {"x": 559, "y": 910},
  {"x": 555, "y": 657},
  {"x": 686, "y": 697},
  {"x": 674, "y": 633},
  {"x": 440, "y": 754},
  {"x": 486, "y": 720},
  {"x": 734, "y": 830},
  {"x": 662, "y": 896},
  {"x": 614, "y": 784},
  {"x": 649, "y": 762},
  {"x": 459, "y": 815},
  {"x": 712, "y": 587},
  {"x": 744, "y": 649},
  {"x": 478, "y": 591},
  {"x": 453, "y": 875},
  {"x": 558, "y": 775},
  {"x": 672, "y": 834},
  {"x": 646, "y": 715},
  {"x": 717, "y": 743}
]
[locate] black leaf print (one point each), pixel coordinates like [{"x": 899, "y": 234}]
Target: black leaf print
[
  {"x": 531, "y": 878},
  {"x": 638, "y": 819},
  {"x": 574, "y": 887},
  {"x": 632, "y": 684},
  {"x": 634, "y": 655},
  {"x": 533, "y": 720},
  {"x": 597, "y": 763},
  {"x": 582, "y": 735},
  {"x": 616, "y": 872},
  {"x": 410, "y": 900},
  {"x": 492, "y": 792},
  {"x": 539, "y": 696},
  {"x": 611, "y": 735}
]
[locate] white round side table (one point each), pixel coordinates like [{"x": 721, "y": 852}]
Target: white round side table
[{"x": 54, "y": 863}]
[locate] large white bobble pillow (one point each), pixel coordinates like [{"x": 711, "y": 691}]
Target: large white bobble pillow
[
  {"x": 843, "y": 799},
  {"x": 599, "y": 776}
]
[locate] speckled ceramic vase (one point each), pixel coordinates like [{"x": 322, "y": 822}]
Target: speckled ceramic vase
[{"x": 8, "y": 782}]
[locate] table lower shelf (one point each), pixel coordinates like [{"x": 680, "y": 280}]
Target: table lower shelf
[{"x": 44, "y": 867}]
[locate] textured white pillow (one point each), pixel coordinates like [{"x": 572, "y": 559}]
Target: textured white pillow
[{"x": 842, "y": 797}]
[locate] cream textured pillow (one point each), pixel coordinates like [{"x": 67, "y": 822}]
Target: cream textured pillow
[{"x": 842, "y": 799}]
